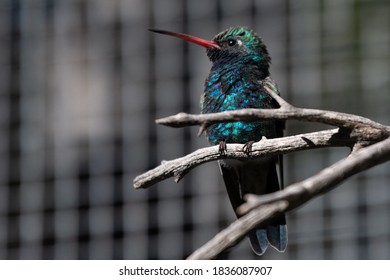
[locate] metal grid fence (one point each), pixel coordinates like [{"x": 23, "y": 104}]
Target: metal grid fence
[{"x": 81, "y": 83}]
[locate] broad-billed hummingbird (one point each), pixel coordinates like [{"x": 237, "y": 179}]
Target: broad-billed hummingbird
[{"x": 236, "y": 80}]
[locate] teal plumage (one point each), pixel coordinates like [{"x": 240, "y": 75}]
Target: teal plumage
[{"x": 235, "y": 89}]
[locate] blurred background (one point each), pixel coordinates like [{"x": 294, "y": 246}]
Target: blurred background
[{"x": 81, "y": 83}]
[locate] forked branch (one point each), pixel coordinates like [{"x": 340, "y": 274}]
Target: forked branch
[
  {"x": 260, "y": 209},
  {"x": 369, "y": 141}
]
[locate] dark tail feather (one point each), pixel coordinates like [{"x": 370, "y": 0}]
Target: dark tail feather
[
  {"x": 277, "y": 234},
  {"x": 274, "y": 233},
  {"x": 243, "y": 179},
  {"x": 277, "y": 230},
  {"x": 230, "y": 177},
  {"x": 258, "y": 240}
]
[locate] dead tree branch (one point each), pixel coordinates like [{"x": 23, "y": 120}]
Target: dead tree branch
[
  {"x": 363, "y": 128},
  {"x": 177, "y": 168},
  {"x": 260, "y": 209},
  {"x": 369, "y": 141}
]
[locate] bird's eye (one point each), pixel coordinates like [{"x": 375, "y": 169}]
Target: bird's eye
[{"x": 232, "y": 42}]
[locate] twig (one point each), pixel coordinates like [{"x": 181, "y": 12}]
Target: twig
[
  {"x": 180, "y": 166},
  {"x": 292, "y": 197},
  {"x": 271, "y": 87}
]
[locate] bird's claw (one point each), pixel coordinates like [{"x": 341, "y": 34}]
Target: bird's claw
[
  {"x": 222, "y": 147},
  {"x": 247, "y": 148}
]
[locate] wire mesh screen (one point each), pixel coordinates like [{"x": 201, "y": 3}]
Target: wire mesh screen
[{"x": 81, "y": 83}]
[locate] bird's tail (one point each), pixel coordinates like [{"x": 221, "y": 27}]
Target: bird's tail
[
  {"x": 256, "y": 178},
  {"x": 275, "y": 233}
]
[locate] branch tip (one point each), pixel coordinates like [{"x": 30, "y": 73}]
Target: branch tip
[
  {"x": 202, "y": 129},
  {"x": 282, "y": 103}
]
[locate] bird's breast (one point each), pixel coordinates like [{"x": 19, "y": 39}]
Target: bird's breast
[{"x": 231, "y": 92}]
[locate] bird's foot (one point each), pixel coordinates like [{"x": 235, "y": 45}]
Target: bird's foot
[
  {"x": 247, "y": 148},
  {"x": 222, "y": 147}
]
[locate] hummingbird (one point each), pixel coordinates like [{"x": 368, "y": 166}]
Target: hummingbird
[{"x": 239, "y": 72}]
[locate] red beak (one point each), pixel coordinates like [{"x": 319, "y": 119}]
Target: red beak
[{"x": 202, "y": 42}]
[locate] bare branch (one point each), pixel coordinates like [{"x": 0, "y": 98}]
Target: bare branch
[
  {"x": 364, "y": 128},
  {"x": 292, "y": 197},
  {"x": 353, "y": 131},
  {"x": 179, "y": 167}
]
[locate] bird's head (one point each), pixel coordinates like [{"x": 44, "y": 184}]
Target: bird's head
[
  {"x": 241, "y": 43},
  {"x": 232, "y": 44}
]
